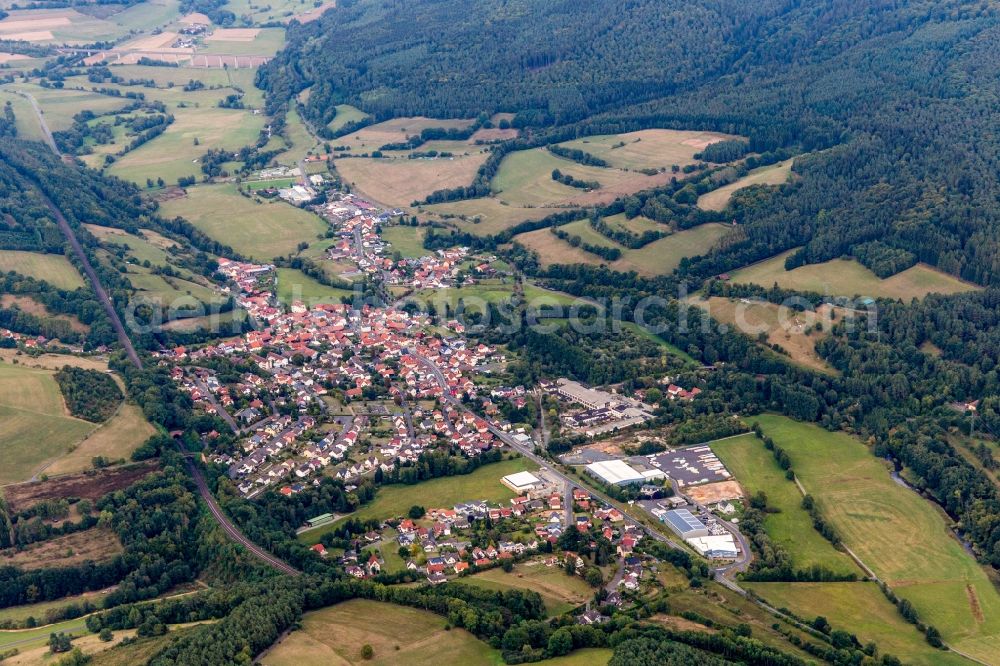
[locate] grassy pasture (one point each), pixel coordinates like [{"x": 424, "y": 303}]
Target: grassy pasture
[
  {"x": 846, "y": 277},
  {"x": 894, "y": 531},
  {"x": 59, "y": 105},
  {"x": 139, "y": 247},
  {"x": 31, "y": 306},
  {"x": 25, "y": 118},
  {"x": 637, "y": 225},
  {"x": 525, "y": 179},
  {"x": 647, "y": 149},
  {"x": 294, "y": 285},
  {"x": 775, "y": 174},
  {"x": 373, "y": 137},
  {"x": 657, "y": 258},
  {"x": 299, "y": 142},
  {"x": 782, "y": 326},
  {"x": 399, "y": 182},
  {"x": 485, "y": 216},
  {"x": 408, "y": 241},
  {"x": 756, "y": 470},
  {"x": 267, "y": 42},
  {"x": 398, "y": 635},
  {"x": 260, "y": 230},
  {"x": 117, "y": 438},
  {"x": 346, "y": 114},
  {"x": 75, "y": 27},
  {"x": 862, "y": 609},
  {"x": 53, "y": 268},
  {"x": 561, "y": 593},
  {"x": 268, "y": 11},
  {"x": 396, "y": 500},
  {"x": 173, "y": 155}
]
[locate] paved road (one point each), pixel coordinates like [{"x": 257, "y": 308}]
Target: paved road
[{"x": 219, "y": 409}]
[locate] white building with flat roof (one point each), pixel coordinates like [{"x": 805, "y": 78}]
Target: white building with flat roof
[
  {"x": 615, "y": 473},
  {"x": 716, "y": 547},
  {"x": 522, "y": 482}
]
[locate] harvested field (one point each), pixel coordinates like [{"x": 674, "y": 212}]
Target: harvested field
[
  {"x": 648, "y": 149},
  {"x": 11, "y": 57},
  {"x": 775, "y": 174},
  {"x": 403, "y": 181},
  {"x": 91, "y": 485},
  {"x": 117, "y": 438},
  {"x": 710, "y": 493},
  {"x": 846, "y": 277},
  {"x": 54, "y": 361},
  {"x": 790, "y": 329},
  {"x": 233, "y": 35},
  {"x": 150, "y": 42},
  {"x": 195, "y": 18},
  {"x": 494, "y": 134},
  {"x": 96, "y": 544},
  {"x": 30, "y": 36}
]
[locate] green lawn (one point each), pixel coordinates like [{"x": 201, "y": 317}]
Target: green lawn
[
  {"x": 846, "y": 277},
  {"x": 53, "y": 268},
  {"x": 260, "y": 230},
  {"x": 791, "y": 527},
  {"x": 396, "y": 500},
  {"x": 346, "y": 114},
  {"x": 294, "y": 285},
  {"x": 861, "y": 609},
  {"x": 894, "y": 531},
  {"x": 408, "y": 241}
]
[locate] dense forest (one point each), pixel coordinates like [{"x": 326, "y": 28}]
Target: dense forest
[{"x": 898, "y": 94}]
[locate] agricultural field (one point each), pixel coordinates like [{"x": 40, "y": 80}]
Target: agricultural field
[
  {"x": 396, "y": 500},
  {"x": 484, "y": 216},
  {"x": 53, "y": 268},
  {"x": 408, "y": 241},
  {"x": 171, "y": 292},
  {"x": 174, "y": 155},
  {"x": 260, "y": 12},
  {"x": 775, "y": 174},
  {"x": 791, "y": 526},
  {"x": 24, "y": 115},
  {"x": 400, "y": 182},
  {"x": 294, "y": 285},
  {"x": 648, "y": 149},
  {"x": 861, "y": 609},
  {"x": 561, "y": 593},
  {"x": 346, "y": 114},
  {"x": 373, "y": 137},
  {"x": 398, "y": 635},
  {"x": 240, "y": 41},
  {"x": 115, "y": 439},
  {"x": 95, "y": 544},
  {"x": 473, "y": 296},
  {"x": 59, "y": 105},
  {"x": 86, "y": 25},
  {"x": 525, "y": 179},
  {"x": 895, "y": 532},
  {"x": 260, "y": 230},
  {"x": 846, "y": 277},
  {"x": 139, "y": 247},
  {"x": 657, "y": 258},
  {"x": 790, "y": 329}
]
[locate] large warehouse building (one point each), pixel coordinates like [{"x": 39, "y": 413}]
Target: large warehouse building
[
  {"x": 615, "y": 473},
  {"x": 685, "y": 524}
]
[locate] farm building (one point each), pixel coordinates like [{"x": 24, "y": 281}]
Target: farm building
[
  {"x": 685, "y": 524},
  {"x": 521, "y": 482},
  {"x": 615, "y": 473}
]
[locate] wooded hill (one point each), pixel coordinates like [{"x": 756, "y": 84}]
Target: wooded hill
[{"x": 897, "y": 95}]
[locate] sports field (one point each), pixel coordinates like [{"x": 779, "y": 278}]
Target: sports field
[
  {"x": 647, "y": 149},
  {"x": 846, "y": 277},
  {"x": 525, "y": 179},
  {"x": 174, "y": 155},
  {"x": 783, "y": 326},
  {"x": 775, "y": 174},
  {"x": 894, "y": 531},
  {"x": 401, "y": 181},
  {"x": 260, "y": 230},
  {"x": 53, "y": 268},
  {"x": 861, "y": 609},
  {"x": 657, "y": 258},
  {"x": 294, "y": 285},
  {"x": 561, "y": 593},
  {"x": 790, "y": 527},
  {"x": 396, "y": 500}
]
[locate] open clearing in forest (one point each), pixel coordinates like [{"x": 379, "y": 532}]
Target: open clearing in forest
[
  {"x": 901, "y": 536},
  {"x": 648, "y": 149},
  {"x": 31, "y": 306},
  {"x": 525, "y": 179},
  {"x": 91, "y": 485},
  {"x": 345, "y": 114},
  {"x": 846, "y": 277},
  {"x": 783, "y": 326},
  {"x": 95, "y": 544},
  {"x": 657, "y": 258},
  {"x": 561, "y": 593},
  {"x": 861, "y": 609},
  {"x": 775, "y": 174},
  {"x": 791, "y": 527},
  {"x": 261, "y": 230},
  {"x": 55, "y": 269},
  {"x": 396, "y": 500},
  {"x": 400, "y": 182}
]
